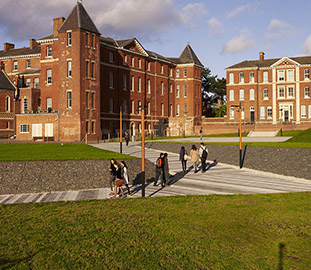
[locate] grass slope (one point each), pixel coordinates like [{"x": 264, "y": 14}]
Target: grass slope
[
  {"x": 27, "y": 152},
  {"x": 193, "y": 232}
]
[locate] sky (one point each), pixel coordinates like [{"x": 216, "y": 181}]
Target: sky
[{"x": 221, "y": 32}]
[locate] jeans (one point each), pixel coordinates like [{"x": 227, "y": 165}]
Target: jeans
[
  {"x": 184, "y": 164},
  {"x": 203, "y": 161},
  {"x": 159, "y": 173}
]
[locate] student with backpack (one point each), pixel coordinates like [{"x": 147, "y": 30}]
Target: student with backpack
[
  {"x": 159, "y": 169},
  {"x": 203, "y": 152}
]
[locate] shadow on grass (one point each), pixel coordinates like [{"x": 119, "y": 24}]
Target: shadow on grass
[{"x": 281, "y": 256}]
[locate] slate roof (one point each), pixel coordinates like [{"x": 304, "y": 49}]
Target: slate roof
[
  {"x": 5, "y": 82},
  {"x": 79, "y": 19},
  {"x": 47, "y": 37},
  {"x": 189, "y": 56},
  {"x": 303, "y": 60},
  {"x": 21, "y": 51}
]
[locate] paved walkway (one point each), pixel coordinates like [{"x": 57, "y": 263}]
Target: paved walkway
[{"x": 219, "y": 179}]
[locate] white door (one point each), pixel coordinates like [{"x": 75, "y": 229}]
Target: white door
[
  {"x": 36, "y": 130},
  {"x": 48, "y": 130}
]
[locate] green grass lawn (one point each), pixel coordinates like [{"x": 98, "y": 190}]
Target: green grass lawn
[
  {"x": 186, "y": 232},
  {"x": 53, "y": 151}
]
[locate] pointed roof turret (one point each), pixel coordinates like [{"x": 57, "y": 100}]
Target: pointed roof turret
[
  {"x": 188, "y": 56},
  {"x": 79, "y": 19}
]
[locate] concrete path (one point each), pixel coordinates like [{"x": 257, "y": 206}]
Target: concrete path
[{"x": 219, "y": 179}]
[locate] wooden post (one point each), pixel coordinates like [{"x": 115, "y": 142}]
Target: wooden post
[
  {"x": 240, "y": 107},
  {"x": 143, "y": 148},
  {"x": 120, "y": 129}
]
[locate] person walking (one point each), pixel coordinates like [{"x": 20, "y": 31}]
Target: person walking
[
  {"x": 201, "y": 133},
  {"x": 113, "y": 173},
  {"x": 159, "y": 169},
  {"x": 127, "y": 138},
  {"x": 165, "y": 172},
  {"x": 119, "y": 180},
  {"x": 125, "y": 178},
  {"x": 183, "y": 158},
  {"x": 194, "y": 157},
  {"x": 203, "y": 155}
]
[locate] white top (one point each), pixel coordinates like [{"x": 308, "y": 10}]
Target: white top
[
  {"x": 125, "y": 176},
  {"x": 201, "y": 150}
]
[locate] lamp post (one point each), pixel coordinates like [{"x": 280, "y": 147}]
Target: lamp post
[
  {"x": 120, "y": 129},
  {"x": 240, "y": 132},
  {"x": 281, "y": 110},
  {"x": 143, "y": 186}
]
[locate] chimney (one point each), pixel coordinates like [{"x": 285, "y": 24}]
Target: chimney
[
  {"x": 261, "y": 56},
  {"x": 33, "y": 43},
  {"x": 57, "y": 22},
  {"x": 8, "y": 46}
]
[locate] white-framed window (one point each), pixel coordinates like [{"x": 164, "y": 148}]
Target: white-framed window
[
  {"x": 162, "y": 70},
  {"x": 171, "y": 72},
  {"x": 162, "y": 88},
  {"x": 49, "y": 76},
  {"x": 124, "y": 106},
  {"x": 87, "y": 98},
  {"x": 93, "y": 70},
  {"x": 231, "y": 78},
  {"x": 171, "y": 110},
  {"x": 132, "y": 83},
  {"x": 265, "y": 76},
  {"x": 265, "y": 93},
  {"x": 49, "y": 103},
  {"x": 7, "y": 104},
  {"x": 251, "y": 77},
  {"x": 241, "y": 94},
  {"x": 177, "y": 109},
  {"x": 241, "y": 77},
  {"x": 148, "y": 108},
  {"x": 24, "y": 128},
  {"x": 49, "y": 51},
  {"x": 93, "y": 100},
  {"x": 252, "y": 94},
  {"x": 177, "y": 91},
  {"x": 262, "y": 112},
  {"x": 185, "y": 109},
  {"x": 231, "y": 115},
  {"x": 309, "y": 109},
  {"x": 281, "y": 75},
  {"x": 231, "y": 95},
  {"x": 124, "y": 82},
  {"x": 269, "y": 112},
  {"x": 132, "y": 61},
  {"x": 93, "y": 127},
  {"x": 303, "y": 111},
  {"x": 15, "y": 65},
  {"x": 306, "y": 74},
  {"x": 69, "y": 38},
  {"x": 111, "y": 57},
  {"x": 28, "y": 63},
  {"x": 69, "y": 68},
  {"x": 7, "y": 125},
  {"x": 290, "y": 92},
  {"x": 28, "y": 82},
  {"x": 290, "y": 75},
  {"x": 281, "y": 92},
  {"x": 69, "y": 99},
  {"x": 110, "y": 79},
  {"x": 36, "y": 130},
  {"x": 307, "y": 92},
  {"x": 148, "y": 86},
  {"x": 171, "y": 88},
  {"x": 138, "y": 62},
  {"x": 148, "y": 66},
  {"x": 87, "y": 126},
  {"x": 185, "y": 72},
  {"x": 133, "y": 106},
  {"x": 87, "y": 69},
  {"x": 242, "y": 113},
  {"x": 124, "y": 60},
  {"x": 86, "y": 39},
  {"x": 36, "y": 82},
  {"x": 139, "y": 84},
  {"x": 185, "y": 90},
  {"x": 177, "y": 73},
  {"x": 92, "y": 41},
  {"x": 162, "y": 109},
  {"x": 139, "y": 106},
  {"x": 110, "y": 105}
]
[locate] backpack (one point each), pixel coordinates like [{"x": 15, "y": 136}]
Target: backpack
[
  {"x": 204, "y": 153},
  {"x": 159, "y": 162}
]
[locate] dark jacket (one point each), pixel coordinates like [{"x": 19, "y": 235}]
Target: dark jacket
[
  {"x": 112, "y": 169},
  {"x": 165, "y": 164},
  {"x": 182, "y": 154}
]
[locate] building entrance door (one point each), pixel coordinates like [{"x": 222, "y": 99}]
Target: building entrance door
[
  {"x": 286, "y": 116},
  {"x": 252, "y": 116}
]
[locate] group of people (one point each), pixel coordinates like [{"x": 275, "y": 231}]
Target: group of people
[
  {"x": 162, "y": 171},
  {"x": 118, "y": 178},
  {"x": 196, "y": 155}
]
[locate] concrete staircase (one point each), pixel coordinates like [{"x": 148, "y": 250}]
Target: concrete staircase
[{"x": 262, "y": 133}]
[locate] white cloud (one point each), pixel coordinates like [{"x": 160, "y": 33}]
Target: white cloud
[
  {"x": 215, "y": 27},
  {"x": 237, "y": 11},
  {"x": 279, "y": 29},
  {"x": 191, "y": 11},
  {"x": 306, "y": 47},
  {"x": 240, "y": 43}
]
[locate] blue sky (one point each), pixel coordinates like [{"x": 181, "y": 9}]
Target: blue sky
[{"x": 221, "y": 32}]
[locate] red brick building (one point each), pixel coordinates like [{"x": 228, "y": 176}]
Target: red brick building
[
  {"x": 84, "y": 79},
  {"x": 270, "y": 90}
]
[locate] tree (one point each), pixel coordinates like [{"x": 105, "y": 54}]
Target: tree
[{"x": 213, "y": 89}]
